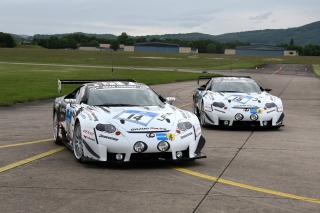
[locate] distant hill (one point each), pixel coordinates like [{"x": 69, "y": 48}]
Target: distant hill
[{"x": 307, "y": 34}]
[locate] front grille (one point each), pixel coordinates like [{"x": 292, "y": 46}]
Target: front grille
[
  {"x": 151, "y": 156},
  {"x": 157, "y": 156},
  {"x": 246, "y": 123}
]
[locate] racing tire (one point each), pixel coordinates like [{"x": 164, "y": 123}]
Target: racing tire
[
  {"x": 56, "y": 129},
  {"x": 77, "y": 142},
  {"x": 202, "y": 117}
]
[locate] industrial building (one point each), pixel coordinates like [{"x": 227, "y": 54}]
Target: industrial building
[
  {"x": 261, "y": 49},
  {"x": 160, "y": 47}
]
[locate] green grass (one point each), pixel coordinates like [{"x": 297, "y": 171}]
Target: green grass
[
  {"x": 25, "y": 82},
  {"x": 316, "y": 68}
]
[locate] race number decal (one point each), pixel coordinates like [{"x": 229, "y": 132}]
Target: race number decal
[
  {"x": 136, "y": 116},
  {"x": 239, "y": 98}
]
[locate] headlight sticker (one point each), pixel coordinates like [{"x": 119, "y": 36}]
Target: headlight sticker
[{"x": 136, "y": 116}]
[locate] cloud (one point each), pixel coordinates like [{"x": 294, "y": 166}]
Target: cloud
[{"x": 261, "y": 16}]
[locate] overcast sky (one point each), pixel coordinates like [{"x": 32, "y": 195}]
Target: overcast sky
[{"x": 149, "y": 17}]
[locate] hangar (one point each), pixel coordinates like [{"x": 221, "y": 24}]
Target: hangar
[
  {"x": 156, "y": 47},
  {"x": 160, "y": 47},
  {"x": 261, "y": 49}
]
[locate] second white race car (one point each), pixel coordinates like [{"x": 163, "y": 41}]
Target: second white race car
[{"x": 236, "y": 101}]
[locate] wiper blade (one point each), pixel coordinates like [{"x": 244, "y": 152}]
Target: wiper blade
[
  {"x": 230, "y": 91},
  {"x": 111, "y": 104}
]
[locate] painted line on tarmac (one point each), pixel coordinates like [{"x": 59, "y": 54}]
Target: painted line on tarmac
[
  {"x": 28, "y": 160},
  {"x": 240, "y": 185},
  {"x": 272, "y": 73},
  {"x": 185, "y": 105},
  {"x": 25, "y": 143}
]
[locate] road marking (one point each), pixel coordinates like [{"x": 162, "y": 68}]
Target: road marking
[
  {"x": 25, "y": 143},
  {"x": 185, "y": 105},
  {"x": 272, "y": 73},
  {"x": 28, "y": 160},
  {"x": 240, "y": 185}
]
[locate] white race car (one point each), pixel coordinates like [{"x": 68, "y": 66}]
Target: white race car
[
  {"x": 236, "y": 101},
  {"x": 124, "y": 121}
]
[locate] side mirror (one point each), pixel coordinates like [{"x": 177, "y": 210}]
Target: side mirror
[
  {"x": 70, "y": 100},
  {"x": 201, "y": 88},
  {"x": 267, "y": 89},
  {"x": 170, "y": 100}
]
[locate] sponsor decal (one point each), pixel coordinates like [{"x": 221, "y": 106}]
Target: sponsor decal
[
  {"x": 69, "y": 114},
  {"x": 94, "y": 116},
  {"x": 88, "y": 114},
  {"x": 146, "y": 128},
  {"x": 183, "y": 113},
  {"x": 245, "y": 106},
  {"x": 271, "y": 111},
  {"x": 256, "y": 111},
  {"x": 150, "y": 135},
  {"x": 107, "y": 137},
  {"x": 165, "y": 136},
  {"x": 88, "y": 132},
  {"x": 87, "y": 137},
  {"x": 184, "y": 136},
  {"x": 139, "y": 129},
  {"x": 136, "y": 116},
  {"x": 83, "y": 116},
  {"x": 219, "y": 110}
]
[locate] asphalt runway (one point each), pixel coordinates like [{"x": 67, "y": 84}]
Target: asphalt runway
[{"x": 245, "y": 170}]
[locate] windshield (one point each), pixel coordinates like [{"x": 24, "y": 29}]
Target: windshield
[
  {"x": 243, "y": 87},
  {"x": 123, "y": 97}
]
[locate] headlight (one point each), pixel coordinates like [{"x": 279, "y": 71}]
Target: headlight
[
  {"x": 106, "y": 128},
  {"x": 254, "y": 117},
  {"x": 163, "y": 146},
  {"x": 183, "y": 126},
  {"x": 218, "y": 104},
  {"x": 140, "y": 146},
  {"x": 270, "y": 105},
  {"x": 238, "y": 117}
]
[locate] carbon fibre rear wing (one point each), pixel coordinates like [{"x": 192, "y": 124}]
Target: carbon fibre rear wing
[
  {"x": 88, "y": 81},
  {"x": 209, "y": 77}
]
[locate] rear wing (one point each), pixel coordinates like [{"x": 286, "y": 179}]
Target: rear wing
[
  {"x": 87, "y": 81},
  {"x": 210, "y": 77}
]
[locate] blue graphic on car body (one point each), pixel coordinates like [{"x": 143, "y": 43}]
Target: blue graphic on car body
[{"x": 136, "y": 116}]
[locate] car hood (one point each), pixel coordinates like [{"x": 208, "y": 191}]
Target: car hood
[
  {"x": 243, "y": 100},
  {"x": 137, "y": 119}
]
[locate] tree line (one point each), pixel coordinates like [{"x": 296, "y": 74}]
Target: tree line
[{"x": 75, "y": 40}]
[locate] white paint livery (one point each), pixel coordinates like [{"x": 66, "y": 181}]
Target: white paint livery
[{"x": 125, "y": 132}]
